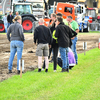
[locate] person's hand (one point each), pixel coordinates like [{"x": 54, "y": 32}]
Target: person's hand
[
  {"x": 72, "y": 38},
  {"x": 34, "y": 43},
  {"x": 49, "y": 46}
]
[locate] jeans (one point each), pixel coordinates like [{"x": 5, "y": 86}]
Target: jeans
[
  {"x": 64, "y": 57},
  {"x": 9, "y": 24},
  {"x": 15, "y": 46},
  {"x": 6, "y": 25},
  {"x": 73, "y": 47}
]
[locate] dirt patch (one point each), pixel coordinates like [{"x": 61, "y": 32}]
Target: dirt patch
[{"x": 29, "y": 56}]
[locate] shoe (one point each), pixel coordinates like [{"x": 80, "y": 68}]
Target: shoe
[
  {"x": 18, "y": 71},
  {"x": 10, "y": 71},
  {"x": 70, "y": 67},
  {"x": 54, "y": 71},
  {"x": 51, "y": 61},
  {"x": 42, "y": 69},
  {"x": 39, "y": 70},
  {"x": 76, "y": 63},
  {"x": 46, "y": 70},
  {"x": 67, "y": 69},
  {"x": 63, "y": 70}
]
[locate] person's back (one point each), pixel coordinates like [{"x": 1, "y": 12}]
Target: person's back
[
  {"x": 42, "y": 36},
  {"x": 64, "y": 35},
  {"x": 16, "y": 31},
  {"x": 16, "y": 40},
  {"x": 42, "y": 33}
]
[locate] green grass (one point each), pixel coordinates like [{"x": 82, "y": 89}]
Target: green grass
[
  {"x": 89, "y": 32},
  {"x": 81, "y": 83},
  {"x": 2, "y": 33}
]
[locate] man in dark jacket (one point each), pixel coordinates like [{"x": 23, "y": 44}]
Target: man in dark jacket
[
  {"x": 9, "y": 19},
  {"x": 43, "y": 37},
  {"x": 63, "y": 33}
]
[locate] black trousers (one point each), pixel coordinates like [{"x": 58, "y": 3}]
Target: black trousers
[{"x": 55, "y": 54}]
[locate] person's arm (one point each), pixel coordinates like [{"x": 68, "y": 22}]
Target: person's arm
[
  {"x": 50, "y": 35},
  {"x": 8, "y": 18},
  {"x": 8, "y": 33},
  {"x": 76, "y": 28},
  {"x": 21, "y": 33},
  {"x": 35, "y": 35},
  {"x": 57, "y": 32},
  {"x": 74, "y": 32},
  {"x": 77, "y": 31}
]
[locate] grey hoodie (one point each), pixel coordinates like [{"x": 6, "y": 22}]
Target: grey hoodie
[{"x": 16, "y": 31}]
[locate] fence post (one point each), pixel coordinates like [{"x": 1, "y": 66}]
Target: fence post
[
  {"x": 99, "y": 44},
  {"x": 84, "y": 47}
]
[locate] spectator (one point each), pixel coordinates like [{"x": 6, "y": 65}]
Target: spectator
[
  {"x": 64, "y": 20},
  {"x": 9, "y": 19},
  {"x": 54, "y": 43},
  {"x": 71, "y": 59},
  {"x": 63, "y": 33},
  {"x": 5, "y": 22},
  {"x": 54, "y": 46},
  {"x": 16, "y": 14},
  {"x": 16, "y": 42},
  {"x": 74, "y": 26},
  {"x": 42, "y": 36}
]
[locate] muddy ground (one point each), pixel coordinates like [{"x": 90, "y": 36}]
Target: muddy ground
[{"x": 29, "y": 56}]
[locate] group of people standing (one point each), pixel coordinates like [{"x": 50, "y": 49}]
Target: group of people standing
[
  {"x": 8, "y": 20},
  {"x": 59, "y": 36}
]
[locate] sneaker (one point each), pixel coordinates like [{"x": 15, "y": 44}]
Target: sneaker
[
  {"x": 39, "y": 70},
  {"x": 54, "y": 71},
  {"x": 67, "y": 69},
  {"x": 10, "y": 71},
  {"x": 46, "y": 70},
  {"x": 18, "y": 71},
  {"x": 42, "y": 69},
  {"x": 70, "y": 67},
  {"x": 51, "y": 61},
  {"x": 76, "y": 63},
  {"x": 63, "y": 70}
]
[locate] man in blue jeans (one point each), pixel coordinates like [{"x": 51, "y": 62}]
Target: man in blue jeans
[
  {"x": 74, "y": 26},
  {"x": 64, "y": 34}
]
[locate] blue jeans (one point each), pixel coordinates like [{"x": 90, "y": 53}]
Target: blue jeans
[
  {"x": 64, "y": 57},
  {"x": 9, "y": 24},
  {"x": 6, "y": 25},
  {"x": 15, "y": 46},
  {"x": 73, "y": 47}
]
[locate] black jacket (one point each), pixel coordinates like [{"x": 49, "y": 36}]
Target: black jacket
[
  {"x": 64, "y": 35},
  {"x": 10, "y": 18},
  {"x": 42, "y": 34}
]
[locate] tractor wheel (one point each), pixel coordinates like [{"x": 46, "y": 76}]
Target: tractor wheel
[
  {"x": 27, "y": 23},
  {"x": 2, "y": 28}
]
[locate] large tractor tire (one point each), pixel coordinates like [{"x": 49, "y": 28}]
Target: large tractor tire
[
  {"x": 27, "y": 23},
  {"x": 2, "y": 28}
]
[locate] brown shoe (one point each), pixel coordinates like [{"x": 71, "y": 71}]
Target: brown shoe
[
  {"x": 67, "y": 70},
  {"x": 63, "y": 70}
]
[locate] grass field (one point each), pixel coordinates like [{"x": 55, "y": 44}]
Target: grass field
[{"x": 81, "y": 83}]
